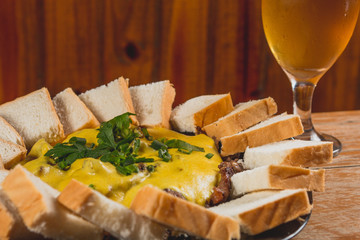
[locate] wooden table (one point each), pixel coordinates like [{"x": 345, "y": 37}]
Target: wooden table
[{"x": 336, "y": 212}]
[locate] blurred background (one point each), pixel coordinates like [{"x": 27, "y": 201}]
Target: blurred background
[{"x": 201, "y": 46}]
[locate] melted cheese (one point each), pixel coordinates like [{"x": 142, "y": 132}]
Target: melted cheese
[{"x": 193, "y": 174}]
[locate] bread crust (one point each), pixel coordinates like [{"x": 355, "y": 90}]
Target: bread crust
[
  {"x": 60, "y": 135},
  {"x": 124, "y": 87},
  {"x": 284, "y": 177},
  {"x": 310, "y": 156},
  {"x": 2, "y": 167},
  {"x": 18, "y": 158},
  {"x": 7, "y": 222},
  {"x": 214, "y": 111},
  {"x": 19, "y": 138},
  {"x": 278, "y": 177},
  {"x": 242, "y": 120},
  {"x": 172, "y": 211},
  {"x": 166, "y": 105},
  {"x": 274, "y": 213},
  {"x": 277, "y": 131},
  {"x": 77, "y": 189}
]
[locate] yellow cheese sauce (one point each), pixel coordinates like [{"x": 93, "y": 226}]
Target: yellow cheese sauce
[{"x": 193, "y": 175}]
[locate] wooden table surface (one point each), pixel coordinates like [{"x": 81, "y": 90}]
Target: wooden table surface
[{"x": 336, "y": 212}]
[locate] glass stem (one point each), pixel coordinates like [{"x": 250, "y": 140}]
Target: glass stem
[{"x": 303, "y": 94}]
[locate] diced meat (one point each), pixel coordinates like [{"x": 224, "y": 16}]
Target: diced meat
[
  {"x": 221, "y": 193},
  {"x": 174, "y": 193}
]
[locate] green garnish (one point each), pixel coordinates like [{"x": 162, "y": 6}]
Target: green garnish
[
  {"x": 119, "y": 144},
  {"x": 65, "y": 154},
  {"x": 162, "y": 145},
  {"x": 92, "y": 186},
  {"x": 146, "y": 134},
  {"x": 184, "y": 146},
  {"x": 209, "y": 155},
  {"x": 150, "y": 168}
]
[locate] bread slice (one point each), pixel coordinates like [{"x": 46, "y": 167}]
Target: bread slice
[
  {"x": 181, "y": 214},
  {"x": 109, "y": 101},
  {"x": 73, "y": 113},
  {"x": 260, "y": 211},
  {"x": 289, "y": 152},
  {"x": 41, "y": 213},
  {"x": 271, "y": 130},
  {"x": 153, "y": 103},
  {"x": 277, "y": 177},
  {"x": 34, "y": 117},
  {"x": 113, "y": 217},
  {"x": 11, "y": 153},
  {"x": 200, "y": 111},
  {"x": 244, "y": 116},
  {"x": 12, "y": 226},
  {"x": 9, "y": 133}
]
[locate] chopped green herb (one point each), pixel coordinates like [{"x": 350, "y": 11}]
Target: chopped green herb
[
  {"x": 150, "y": 168},
  {"x": 64, "y": 154},
  {"x": 146, "y": 134},
  {"x": 119, "y": 144},
  {"x": 209, "y": 155},
  {"x": 179, "y": 144},
  {"x": 92, "y": 186},
  {"x": 164, "y": 155},
  {"x": 157, "y": 145},
  {"x": 162, "y": 145}
]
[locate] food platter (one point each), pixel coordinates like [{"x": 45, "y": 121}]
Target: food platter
[{"x": 120, "y": 149}]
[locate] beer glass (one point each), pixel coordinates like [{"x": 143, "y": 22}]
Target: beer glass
[{"x": 306, "y": 37}]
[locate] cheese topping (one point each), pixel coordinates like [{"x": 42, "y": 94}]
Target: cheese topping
[{"x": 192, "y": 175}]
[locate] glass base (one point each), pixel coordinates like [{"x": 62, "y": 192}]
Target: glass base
[{"x": 313, "y": 135}]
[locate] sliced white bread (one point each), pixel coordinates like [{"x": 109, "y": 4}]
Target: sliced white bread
[
  {"x": 111, "y": 216},
  {"x": 183, "y": 215},
  {"x": 200, "y": 111},
  {"x": 11, "y": 153},
  {"x": 153, "y": 103},
  {"x": 289, "y": 152},
  {"x": 109, "y": 101},
  {"x": 244, "y": 116},
  {"x": 34, "y": 117},
  {"x": 260, "y": 211},
  {"x": 36, "y": 203},
  {"x": 12, "y": 226},
  {"x": 271, "y": 130},
  {"x": 9, "y": 133},
  {"x": 73, "y": 113},
  {"x": 277, "y": 177}
]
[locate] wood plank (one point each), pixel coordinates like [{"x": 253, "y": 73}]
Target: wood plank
[
  {"x": 345, "y": 126},
  {"x": 203, "y": 47},
  {"x": 336, "y": 212}
]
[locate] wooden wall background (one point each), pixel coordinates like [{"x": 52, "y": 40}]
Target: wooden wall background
[{"x": 203, "y": 47}]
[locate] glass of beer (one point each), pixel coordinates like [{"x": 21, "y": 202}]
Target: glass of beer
[{"x": 306, "y": 37}]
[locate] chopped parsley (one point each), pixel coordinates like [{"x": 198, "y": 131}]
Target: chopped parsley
[
  {"x": 118, "y": 144},
  {"x": 209, "y": 155}
]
